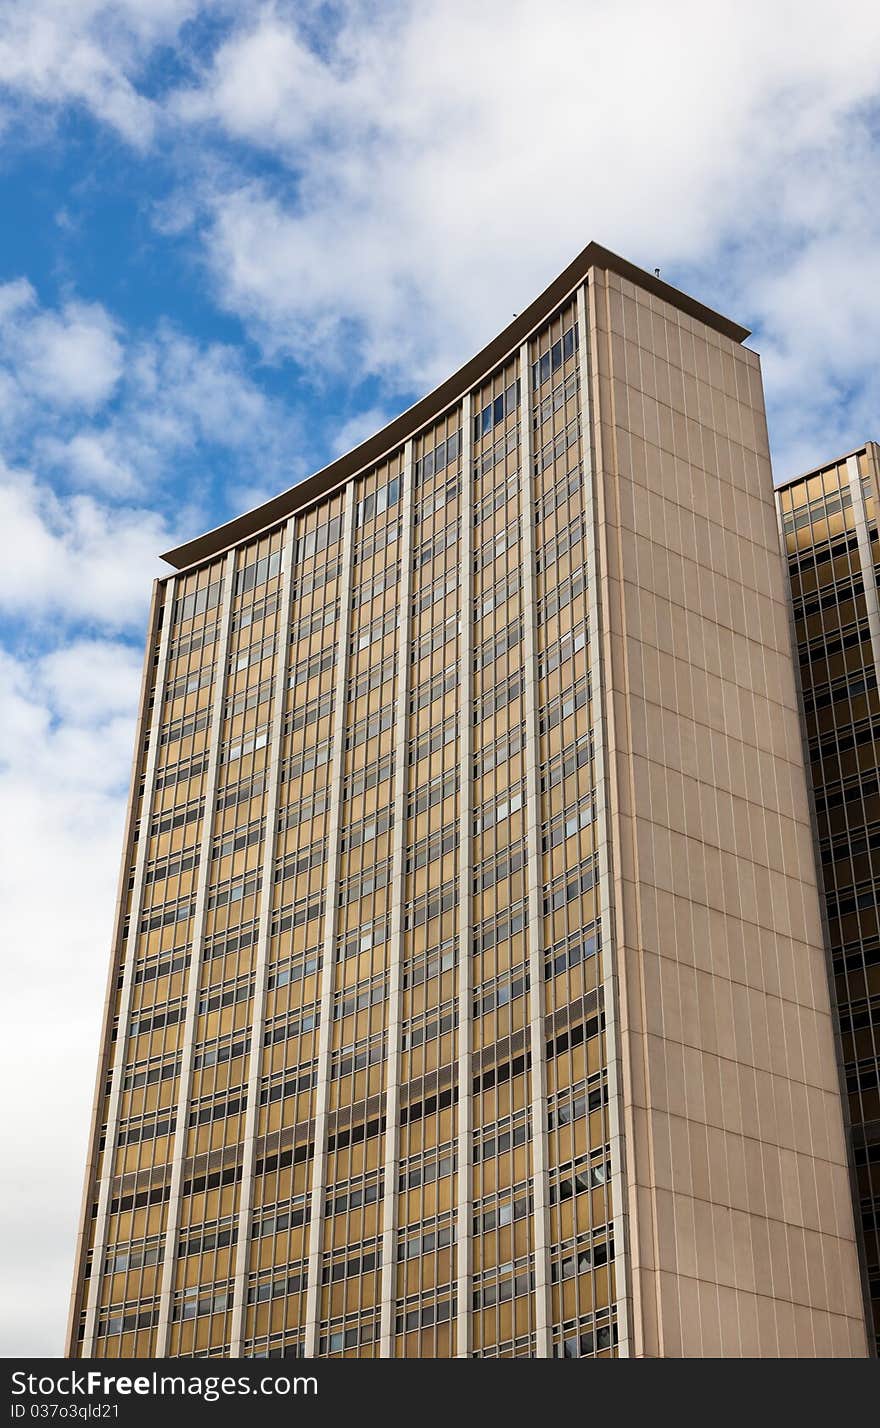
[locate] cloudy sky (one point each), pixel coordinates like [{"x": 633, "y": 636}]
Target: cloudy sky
[{"x": 236, "y": 237}]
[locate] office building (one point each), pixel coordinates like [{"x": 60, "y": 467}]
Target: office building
[
  {"x": 828, "y": 522},
  {"x": 468, "y": 993}
]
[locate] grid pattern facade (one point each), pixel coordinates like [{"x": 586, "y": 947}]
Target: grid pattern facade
[
  {"x": 357, "y": 1093},
  {"x": 462, "y": 1002},
  {"x": 828, "y": 523}
]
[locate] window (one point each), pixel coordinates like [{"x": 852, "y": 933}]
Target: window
[
  {"x": 302, "y": 862},
  {"x": 551, "y": 361},
  {"x": 556, "y": 448},
  {"x": 288, "y": 1025},
  {"x": 222, "y": 1049},
  {"x": 502, "y": 1136},
  {"x": 133, "y": 1255},
  {"x": 357, "y": 1057},
  {"x": 570, "y": 885},
  {"x": 280, "y": 1087},
  {"x": 258, "y": 572},
  {"x": 247, "y": 745},
  {"x": 571, "y": 644},
  {"x": 501, "y": 993},
  {"x": 376, "y": 630},
  {"x": 582, "y": 1259},
  {"x": 198, "y": 602},
  {"x": 494, "y": 813},
  {"x": 571, "y": 951},
  {"x": 276, "y": 1219},
  {"x": 425, "y": 1317},
  {"x": 278, "y": 1284},
  {"x": 418, "y": 1171},
  {"x": 506, "y": 1281},
  {"x": 379, "y": 501},
  {"x": 350, "y": 1196},
  {"x": 565, "y": 825},
  {"x": 444, "y": 452},
  {"x": 366, "y": 994},
  {"x": 428, "y": 1026},
  {"x": 434, "y": 904},
  {"x": 581, "y": 1101},
  {"x": 430, "y": 964},
  {"x": 579, "y": 1345},
  {"x": 295, "y": 971},
  {"x": 205, "y": 1238},
  {"x": 315, "y": 541},
  {"x": 234, "y": 892},
  {"x": 305, "y": 910},
  {"x": 492, "y": 932},
  {"x": 496, "y": 1216},
  {"x": 497, "y": 869},
  {"x": 195, "y": 1302},
  {"x": 352, "y": 1265},
  {"x": 412, "y": 1245},
  {"x": 496, "y": 410}
]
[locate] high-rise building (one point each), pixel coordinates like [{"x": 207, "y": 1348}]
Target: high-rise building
[
  {"x": 828, "y": 524},
  {"x": 468, "y": 993}
]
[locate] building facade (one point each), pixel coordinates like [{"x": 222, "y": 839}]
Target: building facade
[
  {"x": 468, "y": 994},
  {"x": 828, "y": 525}
]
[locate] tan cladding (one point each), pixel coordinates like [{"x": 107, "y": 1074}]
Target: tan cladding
[{"x": 740, "y": 1221}]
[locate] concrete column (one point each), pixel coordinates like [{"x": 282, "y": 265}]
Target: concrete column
[
  {"x": 534, "y": 866},
  {"x": 398, "y": 880},
  {"x": 465, "y": 984}
]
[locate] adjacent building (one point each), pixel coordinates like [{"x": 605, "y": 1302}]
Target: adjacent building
[
  {"x": 828, "y": 522},
  {"x": 468, "y": 993}
]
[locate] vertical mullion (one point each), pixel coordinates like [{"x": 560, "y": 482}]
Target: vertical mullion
[
  {"x": 603, "y": 835},
  {"x": 534, "y": 865},
  {"x": 464, "y": 1172},
  {"x": 169, "y": 1262},
  {"x": 328, "y": 960},
  {"x": 258, "y": 1017},
  {"x": 127, "y": 961},
  {"x": 395, "y": 989}
]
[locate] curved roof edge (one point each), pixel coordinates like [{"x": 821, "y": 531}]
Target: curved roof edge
[{"x": 410, "y": 422}]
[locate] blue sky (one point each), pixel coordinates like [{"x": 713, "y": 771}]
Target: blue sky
[{"x": 238, "y": 236}]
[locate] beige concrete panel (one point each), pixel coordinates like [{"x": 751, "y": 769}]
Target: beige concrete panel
[{"x": 728, "y": 1072}]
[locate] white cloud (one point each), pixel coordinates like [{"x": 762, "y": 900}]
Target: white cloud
[
  {"x": 90, "y": 53},
  {"x": 445, "y": 160},
  {"x": 350, "y": 433},
  {"x": 71, "y": 358},
  {"x": 74, "y": 359},
  {"x": 66, "y": 731},
  {"x": 73, "y": 557},
  {"x": 188, "y": 392},
  {"x": 91, "y": 460},
  {"x": 265, "y": 86},
  {"x": 86, "y": 403}
]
